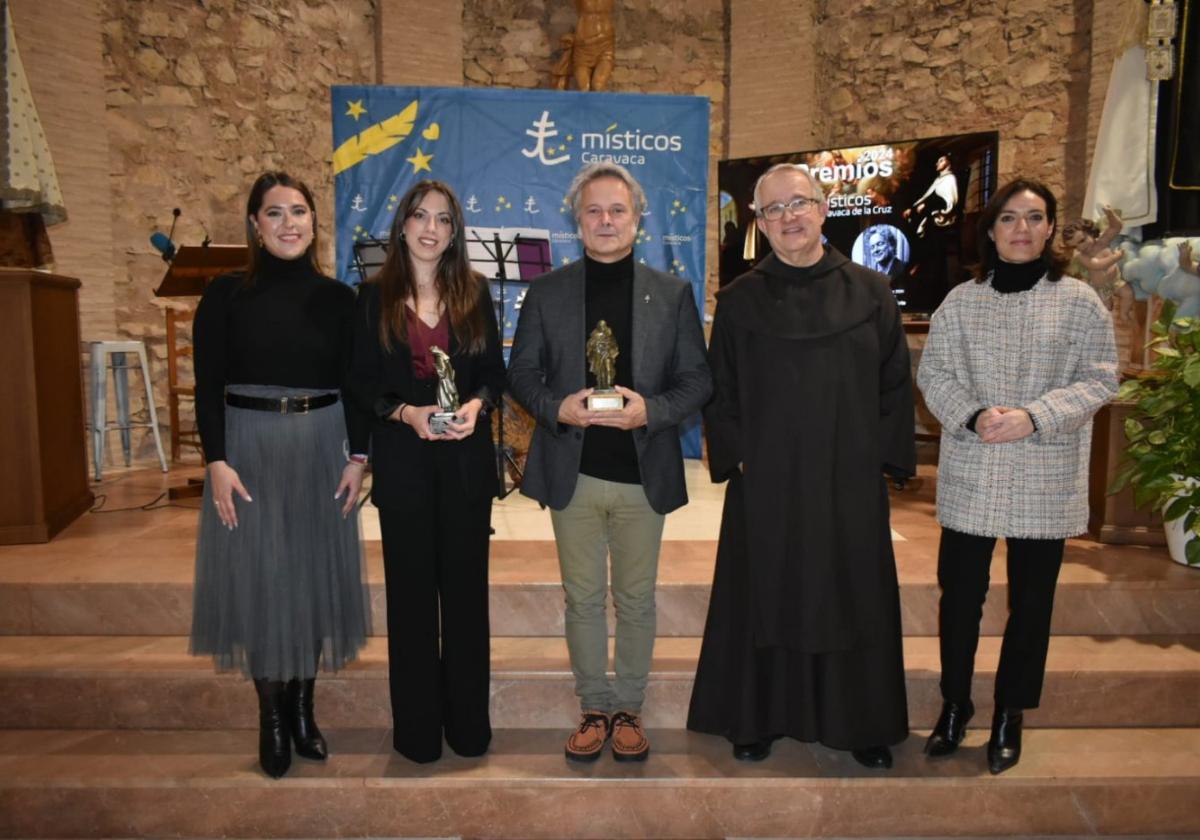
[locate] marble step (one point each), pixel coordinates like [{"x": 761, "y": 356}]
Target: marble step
[
  {"x": 145, "y": 588},
  {"x": 127, "y": 682},
  {"x": 87, "y": 783}
]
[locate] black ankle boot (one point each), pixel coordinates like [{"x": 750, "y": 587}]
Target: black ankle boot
[
  {"x": 950, "y": 728},
  {"x": 1004, "y": 747},
  {"x": 274, "y": 742},
  {"x": 309, "y": 741}
]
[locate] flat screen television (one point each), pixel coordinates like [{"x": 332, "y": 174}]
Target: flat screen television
[{"x": 905, "y": 208}]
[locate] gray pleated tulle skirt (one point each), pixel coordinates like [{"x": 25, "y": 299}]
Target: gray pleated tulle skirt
[{"x": 286, "y": 585}]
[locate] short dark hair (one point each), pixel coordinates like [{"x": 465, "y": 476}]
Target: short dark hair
[{"x": 1056, "y": 264}]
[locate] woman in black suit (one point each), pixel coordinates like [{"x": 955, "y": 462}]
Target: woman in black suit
[{"x": 434, "y": 490}]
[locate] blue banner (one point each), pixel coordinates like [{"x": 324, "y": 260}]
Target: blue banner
[{"x": 510, "y": 155}]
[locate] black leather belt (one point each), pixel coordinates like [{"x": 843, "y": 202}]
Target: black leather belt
[{"x": 281, "y": 405}]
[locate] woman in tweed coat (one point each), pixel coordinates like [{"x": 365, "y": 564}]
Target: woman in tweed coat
[{"x": 1016, "y": 364}]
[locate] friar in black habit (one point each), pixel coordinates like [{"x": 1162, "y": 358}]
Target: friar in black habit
[{"x": 812, "y": 407}]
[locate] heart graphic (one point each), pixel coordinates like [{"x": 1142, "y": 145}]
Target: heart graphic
[{"x": 433, "y": 132}]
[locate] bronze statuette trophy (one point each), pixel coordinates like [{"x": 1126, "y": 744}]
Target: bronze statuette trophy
[
  {"x": 602, "y": 355},
  {"x": 447, "y": 393}
]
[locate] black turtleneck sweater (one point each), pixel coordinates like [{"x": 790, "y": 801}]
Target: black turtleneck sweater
[
  {"x": 609, "y": 454},
  {"x": 1008, "y": 278},
  {"x": 290, "y": 327}
]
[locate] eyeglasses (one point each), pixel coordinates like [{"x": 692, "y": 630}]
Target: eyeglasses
[{"x": 774, "y": 212}]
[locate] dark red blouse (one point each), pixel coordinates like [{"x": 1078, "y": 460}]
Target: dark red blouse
[{"x": 421, "y": 337}]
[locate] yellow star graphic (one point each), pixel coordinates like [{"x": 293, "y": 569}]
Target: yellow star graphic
[
  {"x": 355, "y": 109},
  {"x": 420, "y": 161}
]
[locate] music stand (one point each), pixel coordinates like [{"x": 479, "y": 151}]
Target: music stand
[
  {"x": 369, "y": 255},
  {"x": 530, "y": 251}
]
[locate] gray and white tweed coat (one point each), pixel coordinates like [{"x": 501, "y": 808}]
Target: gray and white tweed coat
[{"x": 1048, "y": 350}]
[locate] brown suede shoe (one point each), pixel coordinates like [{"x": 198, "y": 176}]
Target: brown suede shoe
[
  {"x": 628, "y": 738},
  {"x": 587, "y": 742}
]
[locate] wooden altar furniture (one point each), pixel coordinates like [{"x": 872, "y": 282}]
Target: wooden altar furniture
[{"x": 43, "y": 451}]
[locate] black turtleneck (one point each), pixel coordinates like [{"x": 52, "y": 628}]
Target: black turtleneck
[
  {"x": 609, "y": 454},
  {"x": 290, "y": 326},
  {"x": 1008, "y": 278}
]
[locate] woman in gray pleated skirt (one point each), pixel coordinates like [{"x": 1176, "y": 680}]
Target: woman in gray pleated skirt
[{"x": 279, "y": 588}]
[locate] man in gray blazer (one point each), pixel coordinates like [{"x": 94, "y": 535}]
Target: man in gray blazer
[{"x": 609, "y": 477}]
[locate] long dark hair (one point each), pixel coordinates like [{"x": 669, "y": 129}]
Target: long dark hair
[
  {"x": 254, "y": 203},
  {"x": 1056, "y": 263},
  {"x": 457, "y": 285}
]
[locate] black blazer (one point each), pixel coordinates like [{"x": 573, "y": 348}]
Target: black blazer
[{"x": 380, "y": 381}]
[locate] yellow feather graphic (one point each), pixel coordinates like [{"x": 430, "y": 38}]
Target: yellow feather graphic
[{"x": 375, "y": 139}]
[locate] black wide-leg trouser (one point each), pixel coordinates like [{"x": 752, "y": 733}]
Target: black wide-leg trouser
[
  {"x": 435, "y": 556},
  {"x": 964, "y": 562}
]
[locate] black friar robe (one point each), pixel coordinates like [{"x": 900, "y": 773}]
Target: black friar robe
[{"x": 813, "y": 397}]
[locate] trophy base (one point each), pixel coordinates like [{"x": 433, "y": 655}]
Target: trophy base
[
  {"x": 439, "y": 421},
  {"x": 607, "y": 400}
]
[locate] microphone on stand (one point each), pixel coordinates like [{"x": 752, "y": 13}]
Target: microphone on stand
[{"x": 162, "y": 242}]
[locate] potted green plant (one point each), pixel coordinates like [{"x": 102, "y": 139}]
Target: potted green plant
[{"x": 1162, "y": 463}]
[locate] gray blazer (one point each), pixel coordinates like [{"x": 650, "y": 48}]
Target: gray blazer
[
  {"x": 670, "y": 371},
  {"x": 1050, "y": 351}
]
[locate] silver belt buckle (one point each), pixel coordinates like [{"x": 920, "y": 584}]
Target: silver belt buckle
[{"x": 302, "y": 405}]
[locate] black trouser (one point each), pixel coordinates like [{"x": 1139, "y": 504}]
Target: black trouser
[
  {"x": 963, "y": 566},
  {"x": 435, "y": 555}
]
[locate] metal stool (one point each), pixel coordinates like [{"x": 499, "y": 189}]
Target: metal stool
[{"x": 111, "y": 354}]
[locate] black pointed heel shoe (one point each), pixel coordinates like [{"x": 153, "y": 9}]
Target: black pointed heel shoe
[
  {"x": 950, "y": 729},
  {"x": 309, "y": 741},
  {"x": 274, "y": 740},
  {"x": 1004, "y": 747}
]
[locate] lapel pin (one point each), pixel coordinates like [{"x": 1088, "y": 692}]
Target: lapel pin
[{"x": 647, "y": 298}]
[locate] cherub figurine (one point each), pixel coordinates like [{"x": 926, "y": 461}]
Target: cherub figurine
[
  {"x": 1098, "y": 264},
  {"x": 1187, "y": 262}
]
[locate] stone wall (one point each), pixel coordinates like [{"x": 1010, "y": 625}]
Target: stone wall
[
  {"x": 896, "y": 70},
  {"x": 203, "y": 96}
]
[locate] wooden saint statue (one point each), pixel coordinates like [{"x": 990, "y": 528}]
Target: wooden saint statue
[{"x": 588, "y": 54}]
